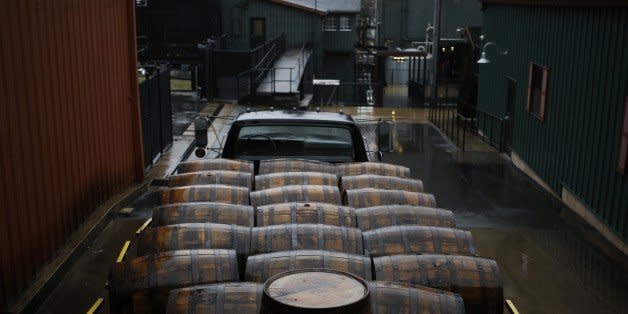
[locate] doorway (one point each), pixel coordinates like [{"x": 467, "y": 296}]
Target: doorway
[
  {"x": 258, "y": 32},
  {"x": 511, "y": 97}
]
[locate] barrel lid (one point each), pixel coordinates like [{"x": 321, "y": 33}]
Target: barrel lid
[{"x": 316, "y": 289}]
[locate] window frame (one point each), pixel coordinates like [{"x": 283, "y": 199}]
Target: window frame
[
  {"x": 335, "y": 25},
  {"x": 622, "y": 155},
  {"x": 349, "y": 26},
  {"x": 544, "y": 90}
]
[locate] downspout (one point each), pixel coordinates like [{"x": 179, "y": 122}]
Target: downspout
[{"x": 435, "y": 52}]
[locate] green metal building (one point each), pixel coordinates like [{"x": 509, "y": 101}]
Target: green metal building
[
  {"x": 563, "y": 85},
  {"x": 404, "y": 21},
  {"x": 330, "y": 26}
]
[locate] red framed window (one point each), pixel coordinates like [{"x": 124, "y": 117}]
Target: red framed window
[
  {"x": 538, "y": 80},
  {"x": 622, "y": 158}
]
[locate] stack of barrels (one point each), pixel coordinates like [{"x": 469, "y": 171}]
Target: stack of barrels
[{"x": 226, "y": 240}]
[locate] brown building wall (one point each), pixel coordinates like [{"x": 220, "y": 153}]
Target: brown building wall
[{"x": 69, "y": 124}]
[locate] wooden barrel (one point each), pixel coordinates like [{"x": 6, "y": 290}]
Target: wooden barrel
[
  {"x": 376, "y": 168},
  {"x": 261, "y": 267},
  {"x": 230, "y": 297},
  {"x": 396, "y": 298},
  {"x": 204, "y": 193},
  {"x": 194, "y": 236},
  {"x": 315, "y": 291},
  {"x": 297, "y": 193},
  {"x": 381, "y": 182},
  {"x": 303, "y": 213},
  {"x": 476, "y": 279},
  {"x": 418, "y": 240},
  {"x": 361, "y": 198},
  {"x": 243, "y": 179},
  {"x": 395, "y": 215},
  {"x": 279, "y": 179},
  {"x": 306, "y": 237},
  {"x": 222, "y": 213},
  {"x": 215, "y": 164},
  {"x": 295, "y": 165},
  {"x": 142, "y": 284}
]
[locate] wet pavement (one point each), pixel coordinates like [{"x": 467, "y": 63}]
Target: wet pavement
[
  {"x": 185, "y": 106},
  {"x": 550, "y": 261}
]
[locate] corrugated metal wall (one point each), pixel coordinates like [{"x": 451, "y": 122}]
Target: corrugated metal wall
[
  {"x": 587, "y": 53},
  {"x": 69, "y": 124}
]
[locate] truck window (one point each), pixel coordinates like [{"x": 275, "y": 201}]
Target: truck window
[{"x": 313, "y": 142}]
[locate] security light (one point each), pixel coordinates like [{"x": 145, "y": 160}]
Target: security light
[{"x": 483, "y": 59}]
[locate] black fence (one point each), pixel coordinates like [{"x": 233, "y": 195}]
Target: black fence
[
  {"x": 347, "y": 93},
  {"x": 156, "y": 112}
]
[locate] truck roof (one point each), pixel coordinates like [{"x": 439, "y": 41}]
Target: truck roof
[{"x": 296, "y": 115}]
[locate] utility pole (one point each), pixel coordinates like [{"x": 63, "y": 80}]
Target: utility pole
[{"x": 435, "y": 52}]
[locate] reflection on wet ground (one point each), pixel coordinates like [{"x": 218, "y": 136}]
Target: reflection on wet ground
[
  {"x": 184, "y": 109},
  {"x": 550, "y": 261}
]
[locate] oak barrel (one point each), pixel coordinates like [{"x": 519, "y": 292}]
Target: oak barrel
[
  {"x": 476, "y": 279},
  {"x": 392, "y": 298},
  {"x": 306, "y": 237},
  {"x": 243, "y": 179},
  {"x": 315, "y": 291},
  {"x": 295, "y": 165},
  {"x": 369, "y": 197},
  {"x": 230, "y": 297},
  {"x": 279, "y": 179},
  {"x": 301, "y": 213},
  {"x": 142, "y": 284},
  {"x": 296, "y": 193},
  {"x": 380, "y": 182},
  {"x": 263, "y": 266},
  {"x": 215, "y": 164},
  {"x": 412, "y": 239},
  {"x": 376, "y": 168},
  {"x": 194, "y": 236},
  {"x": 394, "y": 215},
  {"x": 204, "y": 193},
  {"x": 222, "y": 213}
]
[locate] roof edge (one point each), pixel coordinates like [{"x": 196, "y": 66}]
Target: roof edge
[
  {"x": 558, "y": 3},
  {"x": 300, "y": 7}
]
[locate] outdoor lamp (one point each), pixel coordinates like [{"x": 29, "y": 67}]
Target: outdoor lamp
[{"x": 483, "y": 59}]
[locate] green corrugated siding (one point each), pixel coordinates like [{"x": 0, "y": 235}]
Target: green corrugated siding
[
  {"x": 577, "y": 145},
  {"x": 404, "y": 20}
]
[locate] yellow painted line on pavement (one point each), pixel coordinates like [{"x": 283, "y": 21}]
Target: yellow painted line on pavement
[
  {"x": 122, "y": 254},
  {"x": 95, "y": 306},
  {"x": 143, "y": 226},
  {"x": 511, "y": 307}
]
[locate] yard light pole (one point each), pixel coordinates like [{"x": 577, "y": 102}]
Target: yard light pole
[{"x": 435, "y": 52}]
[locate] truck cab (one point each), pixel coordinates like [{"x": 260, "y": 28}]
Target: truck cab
[{"x": 270, "y": 134}]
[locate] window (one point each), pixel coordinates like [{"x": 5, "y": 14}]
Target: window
[
  {"x": 622, "y": 158},
  {"x": 345, "y": 24},
  {"x": 330, "y": 24},
  {"x": 537, "y": 90},
  {"x": 141, "y": 3}
]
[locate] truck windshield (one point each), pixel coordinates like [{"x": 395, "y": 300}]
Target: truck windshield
[{"x": 328, "y": 143}]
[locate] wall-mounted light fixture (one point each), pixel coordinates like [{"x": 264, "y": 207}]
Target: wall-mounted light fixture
[{"x": 483, "y": 59}]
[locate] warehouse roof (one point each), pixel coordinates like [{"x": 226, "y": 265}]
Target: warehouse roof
[
  {"x": 559, "y": 3},
  {"x": 324, "y": 6}
]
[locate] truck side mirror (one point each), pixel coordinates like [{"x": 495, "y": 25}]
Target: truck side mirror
[
  {"x": 384, "y": 136},
  {"x": 201, "y": 125}
]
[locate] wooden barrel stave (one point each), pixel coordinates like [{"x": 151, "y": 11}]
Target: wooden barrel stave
[
  {"x": 232, "y": 297},
  {"x": 306, "y": 237},
  {"x": 194, "y": 236},
  {"x": 150, "y": 278},
  {"x": 375, "y": 168},
  {"x": 476, "y": 279},
  {"x": 219, "y": 193},
  {"x": 279, "y": 179},
  {"x": 295, "y": 165},
  {"x": 302, "y": 213},
  {"x": 381, "y": 182},
  {"x": 235, "y": 178},
  {"x": 398, "y": 298},
  {"x": 369, "y": 197},
  {"x": 296, "y": 193},
  {"x": 395, "y": 215},
  {"x": 263, "y": 266},
  {"x": 413, "y": 239},
  {"x": 215, "y": 164},
  {"x": 201, "y": 212}
]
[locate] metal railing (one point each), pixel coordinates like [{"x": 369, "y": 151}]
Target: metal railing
[
  {"x": 298, "y": 69},
  {"x": 261, "y": 60}
]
